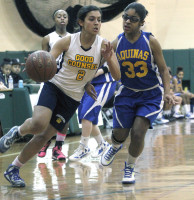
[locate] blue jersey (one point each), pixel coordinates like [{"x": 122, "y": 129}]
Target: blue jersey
[
  {"x": 138, "y": 70},
  {"x": 179, "y": 84}
]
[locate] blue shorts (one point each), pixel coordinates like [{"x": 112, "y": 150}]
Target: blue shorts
[
  {"x": 62, "y": 106},
  {"x": 178, "y": 94},
  {"x": 129, "y": 104},
  {"x": 89, "y": 108}
]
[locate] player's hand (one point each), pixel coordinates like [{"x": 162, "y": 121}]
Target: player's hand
[
  {"x": 170, "y": 99},
  {"x": 89, "y": 88},
  {"x": 107, "y": 51}
]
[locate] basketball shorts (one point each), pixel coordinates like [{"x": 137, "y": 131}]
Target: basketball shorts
[
  {"x": 129, "y": 104},
  {"x": 89, "y": 108},
  {"x": 62, "y": 106},
  {"x": 178, "y": 94}
]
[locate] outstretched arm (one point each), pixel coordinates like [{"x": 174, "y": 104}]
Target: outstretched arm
[{"x": 111, "y": 59}]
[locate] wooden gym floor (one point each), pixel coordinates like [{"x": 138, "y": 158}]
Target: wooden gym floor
[{"x": 165, "y": 170}]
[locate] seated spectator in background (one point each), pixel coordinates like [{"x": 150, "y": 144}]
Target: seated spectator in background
[
  {"x": 5, "y": 71},
  {"x": 186, "y": 96},
  {"x": 171, "y": 112},
  {"x": 15, "y": 71}
]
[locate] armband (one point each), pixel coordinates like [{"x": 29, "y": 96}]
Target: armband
[{"x": 105, "y": 69}]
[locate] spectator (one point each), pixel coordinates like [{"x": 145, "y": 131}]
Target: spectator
[
  {"x": 5, "y": 72},
  {"x": 187, "y": 96},
  {"x": 15, "y": 71},
  {"x": 171, "y": 112}
]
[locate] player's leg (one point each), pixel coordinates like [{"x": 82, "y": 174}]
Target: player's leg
[
  {"x": 35, "y": 125},
  {"x": 57, "y": 153},
  {"x": 176, "y": 108},
  {"x": 148, "y": 107},
  {"x": 29, "y": 150},
  {"x": 123, "y": 116},
  {"x": 106, "y": 91},
  {"x": 86, "y": 114},
  {"x": 102, "y": 144},
  {"x": 136, "y": 146},
  {"x": 83, "y": 148}
]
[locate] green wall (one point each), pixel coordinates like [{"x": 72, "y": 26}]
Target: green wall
[{"x": 185, "y": 59}]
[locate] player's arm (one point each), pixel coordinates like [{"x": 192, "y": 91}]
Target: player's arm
[
  {"x": 103, "y": 70},
  {"x": 111, "y": 59},
  {"x": 60, "y": 46},
  {"x": 175, "y": 85},
  {"x": 45, "y": 43},
  {"x": 114, "y": 44},
  {"x": 164, "y": 72}
]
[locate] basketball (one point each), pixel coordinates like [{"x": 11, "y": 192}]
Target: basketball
[{"x": 41, "y": 66}]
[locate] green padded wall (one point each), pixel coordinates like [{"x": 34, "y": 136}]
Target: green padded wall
[
  {"x": 7, "y": 110},
  {"x": 15, "y": 108},
  {"x": 169, "y": 58},
  {"x": 191, "y": 56},
  {"x": 22, "y": 105},
  {"x": 181, "y": 58}
]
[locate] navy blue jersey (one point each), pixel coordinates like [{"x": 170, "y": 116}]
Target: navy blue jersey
[{"x": 138, "y": 70}]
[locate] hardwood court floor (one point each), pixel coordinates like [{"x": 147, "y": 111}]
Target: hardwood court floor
[{"x": 165, "y": 170}]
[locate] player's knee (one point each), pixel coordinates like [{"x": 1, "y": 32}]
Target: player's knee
[
  {"x": 118, "y": 137},
  {"x": 38, "y": 126}
]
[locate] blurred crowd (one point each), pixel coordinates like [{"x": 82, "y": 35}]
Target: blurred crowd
[{"x": 184, "y": 98}]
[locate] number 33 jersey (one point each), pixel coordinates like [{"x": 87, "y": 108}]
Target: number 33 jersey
[
  {"x": 79, "y": 67},
  {"x": 138, "y": 70}
]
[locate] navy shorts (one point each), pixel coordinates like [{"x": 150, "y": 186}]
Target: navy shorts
[
  {"x": 62, "y": 106},
  {"x": 89, "y": 108},
  {"x": 129, "y": 104}
]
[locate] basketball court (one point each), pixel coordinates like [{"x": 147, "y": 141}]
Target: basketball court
[{"x": 164, "y": 171}]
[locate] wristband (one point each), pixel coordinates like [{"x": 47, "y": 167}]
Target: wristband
[{"x": 105, "y": 69}]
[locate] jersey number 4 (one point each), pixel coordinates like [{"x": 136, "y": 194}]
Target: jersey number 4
[{"x": 131, "y": 72}]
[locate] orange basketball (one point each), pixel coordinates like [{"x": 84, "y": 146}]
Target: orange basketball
[{"x": 41, "y": 66}]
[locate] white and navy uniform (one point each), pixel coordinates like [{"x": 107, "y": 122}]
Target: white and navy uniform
[
  {"x": 53, "y": 38},
  {"x": 89, "y": 109},
  {"x": 141, "y": 90},
  {"x": 63, "y": 93}
]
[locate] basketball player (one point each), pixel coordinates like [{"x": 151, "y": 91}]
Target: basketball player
[
  {"x": 88, "y": 113},
  {"x": 187, "y": 96},
  {"x": 60, "y": 18},
  {"x": 142, "y": 92},
  {"x": 61, "y": 96}
]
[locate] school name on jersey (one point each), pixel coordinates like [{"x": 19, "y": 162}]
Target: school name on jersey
[
  {"x": 84, "y": 62},
  {"x": 132, "y": 53}
]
